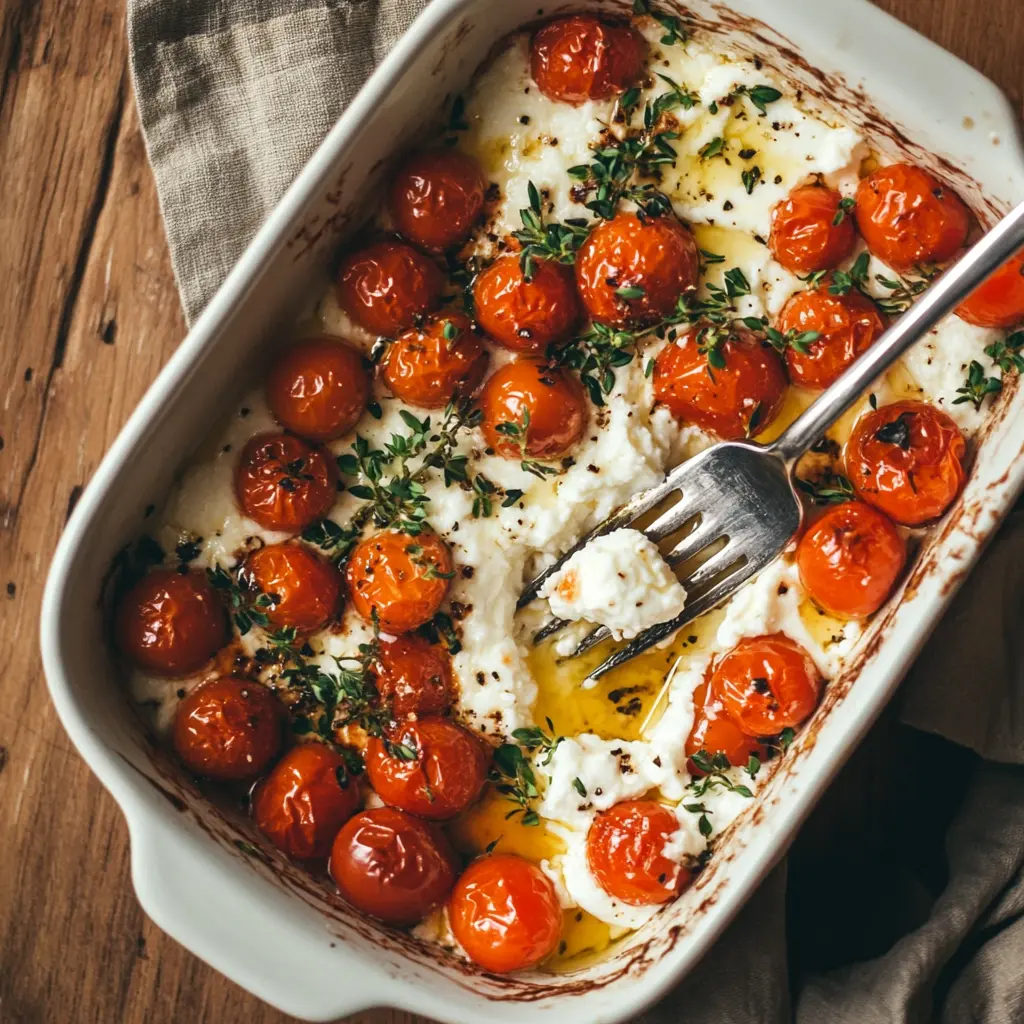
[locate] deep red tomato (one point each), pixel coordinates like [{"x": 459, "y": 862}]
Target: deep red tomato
[
  {"x": 715, "y": 732},
  {"x": 431, "y": 767},
  {"x": 304, "y": 589},
  {"x": 415, "y": 676},
  {"x": 908, "y": 216},
  {"x": 736, "y": 400},
  {"x": 228, "y": 729},
  {"x": 805, "y": 237},
  {"x": 392, "y": 866},
  {"x": 626, "y": 853},
  {"x": 505, "y": 914},
  {"x": 304, "y": 801},
  {"x": 999, "y": 302},
  {"x": 907, "y": 459},
  {"x": 402, "y": 578},
  {"x": 171, "y": 623}
]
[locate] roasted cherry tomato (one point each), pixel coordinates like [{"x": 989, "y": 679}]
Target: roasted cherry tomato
[
  {"x": 529, "y": 398},
  {"x": 171, "y": 623},
  {"x": 414, "y": 676},
  {"x": 767, "y": 684},
  {"x": 632, "y": 271},
  {"x": 908, "y": 216},
  {"x": 626, "y": 853},
  {"x": 581, "y": 58},
  {"x": 228, "y": 729},
  {"x": 906, "y": 459},
  {"x": 715, "y": 732},
  {"x": 392, "y": 866},
  {"x": 505, "y": 914},
  {"x": 429, "y": 365},
  {"x": 402, "y": 578},
  {"x": 303, "y": 589},
  {"x": 846, "y": 325},
  {"x": 999, "y": 302},
  {"x": 737, "y": 399},
  {"x": 304, "y": 801},
  {"x": 526, "y": 315},
  {"x": 805, "y": 236},
  {"x": 436, "y": 196},
  {"x": 850, "y": 559},
  {"x": 318, "y": 389},
  {"x": 284, "y": 483},
  {"x": 430, "y": 767},
  {"x": 386, "y": 286}
]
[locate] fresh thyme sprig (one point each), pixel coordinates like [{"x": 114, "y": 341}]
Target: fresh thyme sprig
[
  {"x": 827, "y": 488},
  {"x": 977, "y": 387},
  {"x": 674, "y": 30},
  {"x": 1007, "y": 354},
  {"x": 596, "y": 354},
  {"x": 714, "y": 766},
  {"x": 513, "y": 774},
  {"x": 519, "y": 433},
  {"x": 903, "y": 290},
  {"x": 555, "y": 240},
  {"x": 799, "y": 341},
  {"x": 247, "y": 609}
]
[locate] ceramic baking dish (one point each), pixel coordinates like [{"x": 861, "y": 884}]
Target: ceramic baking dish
[{"x": 268, "y": 926}]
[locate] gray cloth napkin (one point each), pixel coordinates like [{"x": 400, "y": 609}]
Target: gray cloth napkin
[{"x": 903, "y": 899}]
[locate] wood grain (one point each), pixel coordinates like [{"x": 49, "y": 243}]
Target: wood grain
[{"x": 88, "y": 315}]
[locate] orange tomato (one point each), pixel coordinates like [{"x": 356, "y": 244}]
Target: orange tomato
[
  {"x": 908, "y": 216},
  {"x": 430, "y": 767},
  {"x": 402, "y": 578},
  {"x": 431, "y": 364},
  {"x": 805, "y": 236},
  {"x": 715, "y": 732},
  {"x": 526, "y": 316},
  {"x": 767, "y": 684},
  {"x": 847, "y": 326},
  {"x": 304, "y": 589},
  {"x": 318, "y": 388},
  {"x": 850, "y": 559},
  {"x": 906, "y": 459},
  {"x": 392, "y": 866},
  {"x": 283, "y": 483},
  {"x": 999, "y": 302},
  {"x": 736, "y": 400},
  {"x": 414, "y": 676},
  {"x": 547, "y": 402},
  {"x": 171, "y": 623},
  {"x": 386, "y": 286},
  {"x": 436, "y": 196},
  {"x": 304, "y": 801},
  {"x": 504, "y": 912},
  {"x": 228, "y": 729},
  {"x": 626, "y": 853},
  {"x": 631, "y": 271}
]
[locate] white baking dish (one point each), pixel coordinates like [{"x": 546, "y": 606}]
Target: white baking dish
[{"x": 268, "y": 926}]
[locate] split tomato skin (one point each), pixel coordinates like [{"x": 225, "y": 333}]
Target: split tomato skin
[
  {"x": 304, "y": 588},
  {"x": 999, "y": 302},
  {"x": 715, "y": 732},
  {"x": 805, "y": 237}
]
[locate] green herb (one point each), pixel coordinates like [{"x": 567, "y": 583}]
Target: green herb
[
  {"x": 596, "y": 354},
  {"x": 716, "y": 147},
  {"x": 800, "y": 341},
  {"x": 330, "y": 537},
  {"x": 846, "y": 204},
  {"x": 750, "y": 178},
  {"x": 513, "y": 777},
  {"x": 351, "y": 766},
  {"x": 714, "y": 766},
  {"x": 628, "y": 291},
  {"x": 855, "y": 277},
  {"x": 977, "y": 387},
  {"x": 577, "y": 784},
  {"x": 535, "y": 738},
  {"x": 896, "y": 431},
  {"x": 829, "y": 488},
  {"x": 553, "y": 241},
  {"x": 753, "y": 766},
  {"x": 489, "y": 848},
  {"x": 711, "y": 257},
  {"x": 441, "y": 629},
  {"x": 1007, "y": 353},
  {"x": 904, "y": 290},
  {"x": 519, "y": 432},
  {"x": 703, "y": 822},
  {"x": 247, "y": 609},
  {"x": 674, "y": 31},
  {"x": 759, "y": 95}
]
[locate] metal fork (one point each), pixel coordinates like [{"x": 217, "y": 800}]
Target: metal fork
[{"x": 738, "y": 498}]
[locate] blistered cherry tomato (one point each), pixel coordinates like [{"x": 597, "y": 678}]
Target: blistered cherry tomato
[
  {"x": 526, "y": 316},
  {"x": 545, "y": 402},
  {"x": 415, "y": 676},
  {"x": 626, "y": 853},
  {"x": 402, "y": 578},
  {"x": 384, "y": 287},
  {"x": 715, "y": 732},
  {"x": 436, "y": 196},
  {"x": 392, "y": 866},
  {"x": 430, "y": 767},
  {"x": 846, "y": 325},
  {"x": 907, "y": 459},
  {"x": 429, "y": 365},
  {"x": 999, "y": 302},
  {"x": 767, "y": 684},
  {"x": 581, "y": 58},
  {"x": 737, "y": 399},
  {"x": 632, "y": 271},
  {"x": 304, "y": 590},
  {"x": 304, "y": 801},
  {"x": 228, "y": 729},
  {"x": 505, "y": 914},
  {"x": 171, "y": 623},
  {"x": 908, "y": 216},
  {"x": 850, "y": 559},
  {"x": 805, "y": 236},
  {"x": 318, "y": 389}
]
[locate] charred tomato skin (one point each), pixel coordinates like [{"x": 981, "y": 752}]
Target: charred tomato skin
[{"x": 304, "y": 588}]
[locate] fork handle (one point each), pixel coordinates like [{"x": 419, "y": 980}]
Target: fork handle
[{"x": 940, "y": 299}]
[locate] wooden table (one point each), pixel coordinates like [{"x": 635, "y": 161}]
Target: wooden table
[{"x": 88, "y": 315}]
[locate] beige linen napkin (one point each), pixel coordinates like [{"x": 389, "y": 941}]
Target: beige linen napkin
[{"x": 903, "y": 900}]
